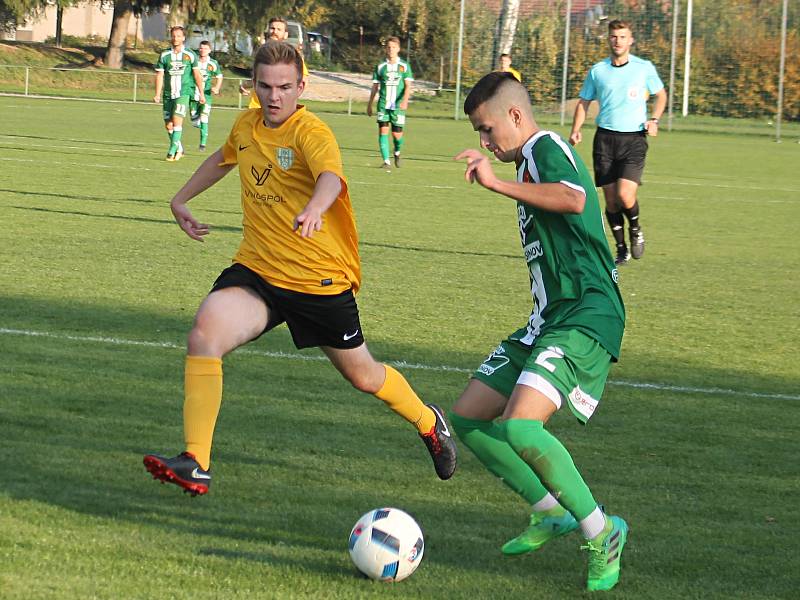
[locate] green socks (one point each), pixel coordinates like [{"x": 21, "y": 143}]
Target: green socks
[
  {"x": 552, "y": 463},
  {"x": 398, "y": 143},
  {"x": 175, "y": 140},
  {"x": 203, "y": 133},
  {"x": 383, "y": 142},
  {"x": 487, "y": 441}
]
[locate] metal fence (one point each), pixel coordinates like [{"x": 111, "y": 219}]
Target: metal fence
[{"x": 731, "y": 64}]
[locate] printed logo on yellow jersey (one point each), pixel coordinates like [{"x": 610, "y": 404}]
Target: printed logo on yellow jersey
[{"x": 285, "y": 158}]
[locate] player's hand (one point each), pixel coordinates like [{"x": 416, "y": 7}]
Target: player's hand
[
  {"x": 202, "y": 99},
  {"x": 478, "y": 168},
  {"x": 308, "y": 221},
  {"x": 651, "y": 127},
  {"x": 156, "y": 99},
  {"x": 369, "y": 110},
  {"x": 243, "y": 90},
  {"x": 215, "y": 92},
  {"x": 404, "y": 105},
  {"x": 191, "y": 227},
  {"x": 575, "y": 138}
]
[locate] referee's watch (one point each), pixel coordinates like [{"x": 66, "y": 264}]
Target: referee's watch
[{"x": 654, "y": 120}]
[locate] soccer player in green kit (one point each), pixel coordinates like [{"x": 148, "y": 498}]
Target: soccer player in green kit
[
  {"x": 392, "y": 78},
  {"x": 176, "y": 91},
  {"x": 564, "y": 352},
  {"x": 212, "y": 82}
]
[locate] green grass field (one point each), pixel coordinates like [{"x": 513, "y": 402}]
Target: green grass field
[{"x": 695, "y": 442}]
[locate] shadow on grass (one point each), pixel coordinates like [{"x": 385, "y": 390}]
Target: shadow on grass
[{"x": 301, "y": 455}]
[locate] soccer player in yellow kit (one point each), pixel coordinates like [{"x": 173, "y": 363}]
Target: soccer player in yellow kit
[{"x": 297, "y": 263}]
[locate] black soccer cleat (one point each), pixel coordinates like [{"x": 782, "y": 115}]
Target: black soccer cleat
[
  {"x": 441, "y": 445},
  {"x": 201, "y": 147},
  {"x": 182, "y": 470},
  {"x": 637, "y": 242},
  {"x": 623, "y": 256},
  {"x": 397, "y": 160}
]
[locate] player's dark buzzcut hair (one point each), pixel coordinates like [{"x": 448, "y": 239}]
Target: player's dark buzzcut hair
[
  {"x": 393, "y": 38},
  {"x": 273, "y": 52},
  {"x": 487, "y": 88},
  {"x": 204, "y": 43},
  {"x": 618, "y": 24}
]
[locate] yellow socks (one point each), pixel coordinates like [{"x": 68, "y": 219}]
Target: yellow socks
[
  {"x": 399, "y": 396},
  {"x": 203, "y": 396}
]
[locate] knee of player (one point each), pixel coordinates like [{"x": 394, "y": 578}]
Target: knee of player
[
  {"x": 364, "y": 381},
  {"x": 201, "y": 343}
]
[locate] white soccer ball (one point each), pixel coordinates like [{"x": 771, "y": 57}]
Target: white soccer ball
[{"x": 386, "y": 544}]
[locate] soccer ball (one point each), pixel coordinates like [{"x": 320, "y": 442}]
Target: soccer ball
[{"x": 386, "y": 544}]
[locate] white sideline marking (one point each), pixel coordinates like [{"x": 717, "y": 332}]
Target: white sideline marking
[
  {"x": 73, "y": 164},
  {"x": 397, "y": 363}
]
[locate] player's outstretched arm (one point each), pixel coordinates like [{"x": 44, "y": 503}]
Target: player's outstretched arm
[
  {"x": 326, "y": 191},
  {"x": 371, "y": 98},
  {"x": 553, "y": 197},
  {"x": 406, "y": 96},
  {"x": 159, "y": 86},
  {"x": 206, "y": 175},
  {"x": 578, "y": 119},
  {"x": 198, "y": 79}
]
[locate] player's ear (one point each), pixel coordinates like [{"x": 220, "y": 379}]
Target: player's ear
[{"x": 515, "y": 114}]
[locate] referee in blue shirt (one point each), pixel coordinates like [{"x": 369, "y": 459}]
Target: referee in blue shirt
[{"x": 621, "y": 84}]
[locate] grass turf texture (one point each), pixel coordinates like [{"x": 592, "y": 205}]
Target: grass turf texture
[{"x": 90, "y": 252}]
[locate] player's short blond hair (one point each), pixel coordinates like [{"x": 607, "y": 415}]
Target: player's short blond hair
[
  {"x": 273, "y": 52},
  {"x": 393, "y": 38}
]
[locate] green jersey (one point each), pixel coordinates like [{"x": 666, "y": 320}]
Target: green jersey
[
  {"x": 209, "y": 70},
  {"x": 392, "y": 80},
  {"x": 572, "y": 273},
  {"x": 178, "y": 76}
]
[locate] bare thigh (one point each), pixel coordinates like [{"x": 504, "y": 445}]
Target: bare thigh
[
  {"x": 479, "y": 401},
  {"x": 227, "y": 319}
]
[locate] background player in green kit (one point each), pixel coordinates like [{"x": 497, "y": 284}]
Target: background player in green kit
[
  {"x": 564, "y": 352},
  {"x": 212, "y": 82},
  {"x": 392, "y": 78},
  {"x": 177, "y": 87}
]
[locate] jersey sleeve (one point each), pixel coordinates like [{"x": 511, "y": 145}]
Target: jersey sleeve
[
  {"x": 195, "y": 61},
  {"x": 555, "y": 163},
  {"x": 219, "y": 70},
  {"x": 160, "y": 63},
  {"x": 409, "y": 72},
  {"x": 653, "y": 81},
  {"x": 230, "y": 153},
  {"x": 587, "y": 89},
  {"x": 321, "y": 151},
  {"x": 375, "y": 78}
]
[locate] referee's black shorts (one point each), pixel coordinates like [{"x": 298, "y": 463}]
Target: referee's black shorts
[
  {"x": 618, "y": 155},
  {"x": 313, "y": 319}
]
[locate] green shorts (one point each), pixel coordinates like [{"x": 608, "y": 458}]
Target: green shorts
[
  {"x": 197, "y": 110},
  {"x": 178, "y": 107},
  {"x": 396, "y": 117},
  {"x": 561, "y": 364}
]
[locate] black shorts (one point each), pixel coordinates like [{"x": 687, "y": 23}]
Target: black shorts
[
  {"x": 618, "y": 155},
  {"x": 313, "y": 319}
]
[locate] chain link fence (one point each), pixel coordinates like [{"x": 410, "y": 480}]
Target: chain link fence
[{"x": 720, "y": 60}]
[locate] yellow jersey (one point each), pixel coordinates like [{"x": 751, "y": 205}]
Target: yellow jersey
[
  {"x": 254, "y": 102},
  {"x": 278, "y": 169}
]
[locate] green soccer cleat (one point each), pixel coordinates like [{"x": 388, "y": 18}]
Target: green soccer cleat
[
  {"x": 605, "y": 552},
  {"x": 544, "y": 527}
]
